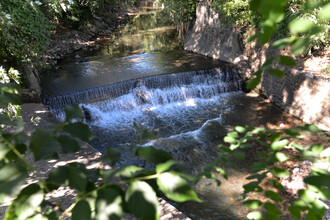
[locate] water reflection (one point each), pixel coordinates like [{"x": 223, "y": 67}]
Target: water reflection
[{"x": 148, "y": 31}]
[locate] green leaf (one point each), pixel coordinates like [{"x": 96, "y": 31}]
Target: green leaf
[
  {"x": 12, "y": 98},
  {"x": 301, "y": 205},
  {"x": 259, "y": 131},
  {"x": 240, "y": 129},
  {"x": 79, "y": 130},
  {"x": 279, "y": 145},
  {"x": 276, "y": 14},
  {"x": 278, "y": 73},
  {"x": 272, "y": 209},
  {"x": 142, "y": 201},
  {"x": 111, "y": 156},
  {"x": 4, "y": 149},
  {"x": 282, "y": 43},
  {"x": 300, "y": 25},
  {"x": 281, "y": 157},
  {"x": 233, "y": 134},
  {"x": 275, "y": 137},
  {"x": 224, "y": 148},
  {"x": 77, "y": 177},
  {"x": 81, "y": 211},
  {"x": 153, "y": 155},
  {"x": 325, "y": 12},
  {"x": 300, "y": 45},
  {"x": 287, "y": 61},
  {"x": 252, "y": 204},
  {"x": 230, "y": 140},
  {"x": 59, "y": 176},
  {"x": 255, "y": 4},
  {"x": 256, "y": 167},
  {"x": 130, "y": 172},
  {"x": 255, "y": 81},
  {"x": 272, "y": 217},
  {"x": 160, "y": 168},
  {"x": 68, "y": 144},
  {"x": 258, "y": 176},
  {"x": 44, "y": 145},
  {"x": 109, "y": 204},
  {"x": 295, "y": 211},
  {"x": 307, "y": 195},
  {"x": 51, "y": 215},
  {"x": 5, "y": 119},
  {"x": 318, "y": 207},
  {"x": 26, "y": 203},
  {"x": 273, "y": 196},
  {"x": 317, "y": 148},
  {"x": 268, "y": 28},
  {"x": 222, "y": 172},
  {"x": 11, "y": 179},
  {"x": 276, "y": 184},
  {"x": 254, "y": 215},
  {"x": 239, "y": 155},
  {"x": 278, "y": 172},
  {"x": 292, "y": 133},
  {"x": 148, "y": 135},
  {"x": 73, "y": 112},
  {"x": 252, "y": 187},
  {"x": 176, "y": 188},
  {"x": 321, "y": 180},
  {"x": 253, "y": 38},
  {"x": 42, "y": 217}
]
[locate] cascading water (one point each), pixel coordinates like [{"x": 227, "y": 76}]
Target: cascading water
[{"x": 169, "y": 104}]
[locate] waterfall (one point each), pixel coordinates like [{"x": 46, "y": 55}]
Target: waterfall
[
  {"x": 168, "y": 104},
  {"x": 225, "y": 78}
]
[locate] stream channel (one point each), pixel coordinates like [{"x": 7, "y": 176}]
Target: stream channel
[{"x": 143, "y": 75}]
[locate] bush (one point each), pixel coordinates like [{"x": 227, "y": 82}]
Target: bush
[
  {"x": 180, "y": 11},
  {"x": 274, "y": 148},
  {"x": 24, "y": 30}
]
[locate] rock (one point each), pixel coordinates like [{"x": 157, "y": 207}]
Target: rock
[
  {"x": 77, "y": 57},
  {"x": 57, "y": 56},
  {"x": 87, "y": 113},
  {"x": 30, "y": 96},
  {"x": 77, "y": 47},
  {"x": 142, "y": 94},
  {"x": 212, "y": 131}
]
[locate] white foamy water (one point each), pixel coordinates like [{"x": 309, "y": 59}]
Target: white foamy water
[
  {"x": 167, "y": 111},
  {"x": 168, "y": 104}
]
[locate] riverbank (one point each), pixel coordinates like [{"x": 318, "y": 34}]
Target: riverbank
[
  {"x": 304, "y": 91},
  {"x": 65, "y": 41}
]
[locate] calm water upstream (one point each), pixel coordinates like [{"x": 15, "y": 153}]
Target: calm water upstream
[{"x": 142, "y": 75}]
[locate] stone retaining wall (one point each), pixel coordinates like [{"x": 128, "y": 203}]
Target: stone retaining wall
[{"x": 299, "y": 93}]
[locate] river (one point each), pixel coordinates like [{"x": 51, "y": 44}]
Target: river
[{"x": 142, "y": 75}]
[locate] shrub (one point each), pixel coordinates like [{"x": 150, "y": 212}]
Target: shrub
[{"x": 24, "y": 30}]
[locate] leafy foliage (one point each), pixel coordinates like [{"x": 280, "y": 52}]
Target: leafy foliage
[
  {"x": 26, "y": 25},
  {"x": 24, "y": 30},
  {"x": 267, "y": 168},
  {"x": 302, "y": 29},
  {"x": 180, "y": 10},
  {"x": 235, "y": 11},
  {"x": 277, "y": 17}
]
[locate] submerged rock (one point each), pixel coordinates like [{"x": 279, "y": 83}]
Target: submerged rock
[{"x": 87, "y": 113}]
